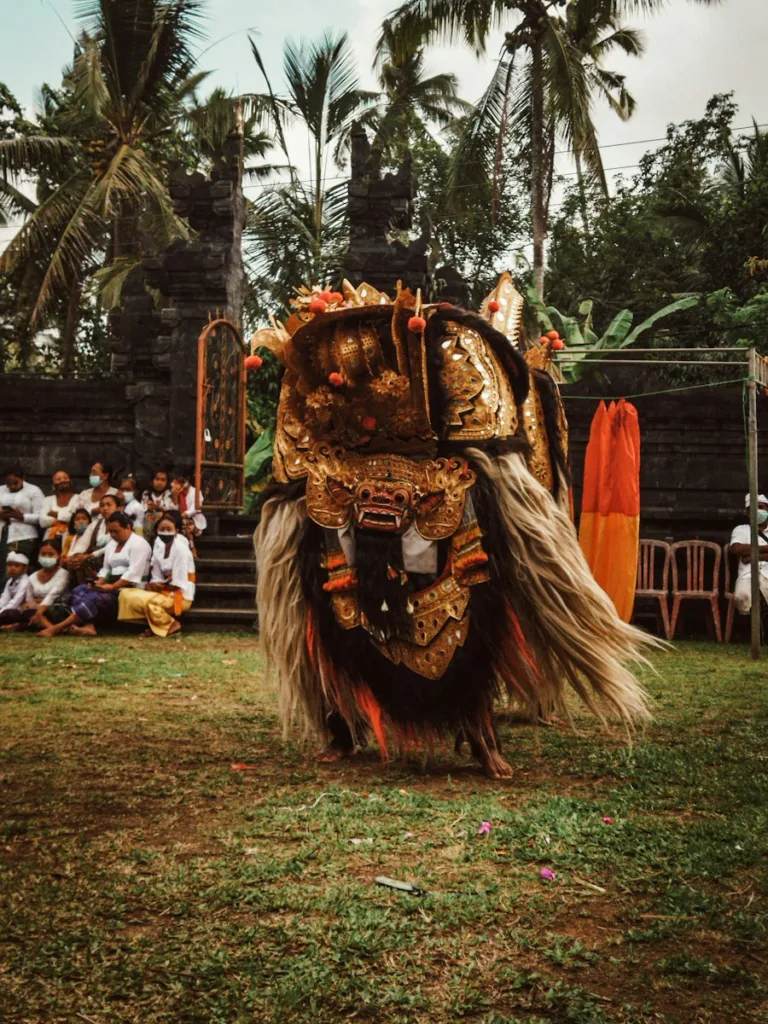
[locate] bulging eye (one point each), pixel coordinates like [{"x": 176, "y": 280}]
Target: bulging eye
[
  {"x": 400, "y": 497},
  {"x": 365, "y": 494}
]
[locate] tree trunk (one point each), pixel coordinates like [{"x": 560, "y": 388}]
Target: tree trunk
[
  {"x": 70, "y": 328},
  {"x": 538, "y": 168},
  {"x": 582, "y": 192}
]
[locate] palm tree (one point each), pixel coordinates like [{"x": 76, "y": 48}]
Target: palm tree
[
  {"x": 409, "y": 101},
  {"x": 295, "y": 232},
  {"x": 324, "y": 95},
  {"x": 210, "y": 124},
  {"x": 132, "y": 69},
  {"x": 544, "y": 84}
]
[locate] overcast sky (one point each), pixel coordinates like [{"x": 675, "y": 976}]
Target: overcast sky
[{"x": 691, "y": 52}]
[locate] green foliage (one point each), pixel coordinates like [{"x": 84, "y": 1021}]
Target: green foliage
[
  {"x": 582, "y": 340},
  {"x": 692, "y": 219}
]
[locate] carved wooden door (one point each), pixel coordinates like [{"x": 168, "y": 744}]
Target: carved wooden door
[{"x": 220, "y": 416}]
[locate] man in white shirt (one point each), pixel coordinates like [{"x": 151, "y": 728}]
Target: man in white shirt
[
  {"x": 741, "y": 545},
  {"x": 20, "y": 507}
]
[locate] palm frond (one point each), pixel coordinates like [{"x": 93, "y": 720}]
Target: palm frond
[
  {"x": 20, "y": 154},
  {"x": 417, "y": 22}
]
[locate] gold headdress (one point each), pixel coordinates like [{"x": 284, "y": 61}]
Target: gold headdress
[{"x": 372, "y": 374}]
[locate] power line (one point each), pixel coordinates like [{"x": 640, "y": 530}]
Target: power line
[{"x": 559, "y": 174}]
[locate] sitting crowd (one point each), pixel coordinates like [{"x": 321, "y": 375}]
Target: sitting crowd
[{"x": 107, "y": 553}]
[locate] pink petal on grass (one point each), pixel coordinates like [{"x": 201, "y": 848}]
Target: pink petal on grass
[
  {"x": 484, "y": 829},
  {"x": 607, "y": 820},
  {"x": 547, "y": 873}
]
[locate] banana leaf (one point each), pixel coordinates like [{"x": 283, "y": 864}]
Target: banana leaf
[
  {"x": 673, "y": 307},
  {"x": 617, "y": 331},
  {"x": 258, "y": 455}
]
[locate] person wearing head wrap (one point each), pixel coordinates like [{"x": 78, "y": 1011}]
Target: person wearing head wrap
[
  {"x": 16, "y": 590},
  {"x": 741, "y": 545}
]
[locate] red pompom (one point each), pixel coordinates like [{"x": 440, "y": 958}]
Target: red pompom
[
  {"x": 335, "y": 379},
  {"x": 494, "y": 306},
  {"x": 318, "y": 306},
  {"x": 557, "y": 344},
  {"x": 326, "y": 296},
  {"x": 253, "y": 362},
  {"x": 368, "y": 422},
  {"x": 552, "y": 335},
  {"x": 543, "y": 340},
  {"x": 417, "y": 324},
  {"x": 336, "y": 297}
]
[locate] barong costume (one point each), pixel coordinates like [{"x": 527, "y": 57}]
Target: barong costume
[{"x": 417, "y": 561}]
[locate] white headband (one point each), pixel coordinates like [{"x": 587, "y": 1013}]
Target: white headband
[
  {"x": 761, "y": 500},
  {"x": 17, "y": 557}
]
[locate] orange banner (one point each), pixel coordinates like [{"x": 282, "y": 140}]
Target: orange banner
[{"x": 609, "y": 531}]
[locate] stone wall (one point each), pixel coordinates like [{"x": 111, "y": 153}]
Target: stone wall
[
  {"x": 50, "y": 424},
  {"x": 693, "y": 468}
]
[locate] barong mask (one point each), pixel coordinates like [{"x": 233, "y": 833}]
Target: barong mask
[{"x": 386, "y": 493}]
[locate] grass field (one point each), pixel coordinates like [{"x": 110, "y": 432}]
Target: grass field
[{"x": 145, "y": 880}]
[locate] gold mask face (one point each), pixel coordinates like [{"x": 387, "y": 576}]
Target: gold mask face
[{"x": 386, "y": 493}]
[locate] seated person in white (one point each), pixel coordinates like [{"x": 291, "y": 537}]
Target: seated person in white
[
  {"x": 46, "y": 589},
  {"x": 189, "y": 504},
  {"x": 77, "y": 545},
  {"x": 16, "y": 590},
  {"x": 100, "y": 483},
  {"x": 132, "y": 506},
  {"x": 108, "y": 505},
  {"x": 171, "y": 589},
  {"x": 741, "y": 545},
  {"x": 20, "y": 505},
  {"x": 126, "y": 564},
  {"x": 58, "y": 507}
]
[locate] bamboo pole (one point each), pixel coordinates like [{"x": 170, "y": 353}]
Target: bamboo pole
[{"x": 753, "y": 492}]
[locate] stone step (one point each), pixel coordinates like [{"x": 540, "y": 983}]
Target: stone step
[
  {"x": 220, "y": 618},
  {"x": 230, "y": 524},
  {"x": 226, "y": 595},
  {"x": 226, "y": 570},
  {"x": 211, "y": 546}
]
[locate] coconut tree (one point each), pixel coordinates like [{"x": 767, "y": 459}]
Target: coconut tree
[
  {"x": 133, "y": 68},
  {"x": 548, "y": 75},
  {"x": 323, "y": 94},
  {"x": 409, "y": 100},
  {"x": 208, "y": 125}
]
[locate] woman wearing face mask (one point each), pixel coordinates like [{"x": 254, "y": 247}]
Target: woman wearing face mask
[
  {"x": 171, "y": 589},
  {"x": 132, "y": 506},
  {"x": 156, "y": 500},
  {"x": 45, "y": 604},
  {"x": 58, "y": 507},
  {"x": 78, "y": 544},
  {"x": 126, "y": 564},
  {"x": 99, "y": 484}
]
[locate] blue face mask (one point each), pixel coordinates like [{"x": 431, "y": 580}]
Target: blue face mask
[
  {"x": 762, "y": 515},
  {"x": 128, "y": 497},
  {"x": 94, "y": 480},
  {"x": 81, "y": 528},
  {"x": 47, "y": 562}
]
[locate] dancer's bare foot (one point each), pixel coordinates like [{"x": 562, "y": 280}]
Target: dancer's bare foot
[
  {"x": 494, "y": 765},
  {"x": 89, "y": 630},
  {"x": 175, "y": 628},
  {"x": 14, "y": 627},
  {"x": 47, "y": 632},
  {"x": 333, "y": 754},
  {"x": 146, "y": 634}
]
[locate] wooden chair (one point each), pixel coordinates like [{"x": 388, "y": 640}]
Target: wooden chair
[
  {"x": 702, "y": 578},
  {"x": 652, "y": 583},
  {"x": 730, "y": 600}
]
